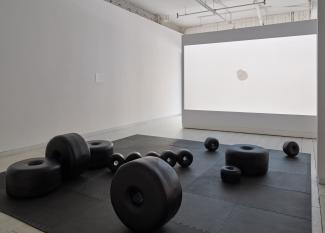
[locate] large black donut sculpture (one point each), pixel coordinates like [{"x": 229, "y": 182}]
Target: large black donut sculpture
[
  {"x": 32, "y": 178},
  {"x": 145, "y": 194},
  {"x": 100, "y": 152},
  {"x": 250, "y": 159},
  {"x": 71, "y": 151},
  {"x": 230, "y": 174}
]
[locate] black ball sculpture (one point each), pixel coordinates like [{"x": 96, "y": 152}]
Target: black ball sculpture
[
  {"x": 115, "y": 162},
  {"x": 211, "y": 144},
  {"x": 169, "y": 157},
  {"x": 133, "y": 156},
  {"x": 184, "y": 158},
  {"x": 291, "y": 148}
]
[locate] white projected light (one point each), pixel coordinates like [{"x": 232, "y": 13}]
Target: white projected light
[{"x": 276, "y": 75}]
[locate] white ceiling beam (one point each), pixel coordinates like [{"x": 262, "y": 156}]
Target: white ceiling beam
[
  {"x": 134, "y": 9},
  {"x": 226, "y": 8},
  {"x": 178, "y": 15},
  {"x": 213, "y": 11},
  {"x": 160, "y": 19},
  {"x": 259, "y": 14},
  {"x": 314, "y": 10}
]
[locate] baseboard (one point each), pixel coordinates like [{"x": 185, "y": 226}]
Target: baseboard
[
  {"x": 255, "y": 123},
  {"x": 22, "y": 150},
  {"x": 90, "y": 134},
  {"x": 106, "y": 131}
]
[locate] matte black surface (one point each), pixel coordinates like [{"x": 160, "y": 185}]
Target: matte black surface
[
  {"x": 291, "y": 148},
  {"x": 250, "y": 159},
  {"x": 169, "y": 157},
  {"x": 133, "y": 156},
  {"x": 146, "y": 193},
  {"x": 115, "y": 161},
  {"x": 100, "y": 153},
  {"x": 184, "y": 158},
  {"x": 211, "y": 144},
  {"x": 279, "y": 202},
  {"x": 71, "y": 151},
  {"x": 230, "y": 174},
  {"x": 33, "y": 177}
]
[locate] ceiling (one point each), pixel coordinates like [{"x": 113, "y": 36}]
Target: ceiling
[{"x": 169, "y": 9}]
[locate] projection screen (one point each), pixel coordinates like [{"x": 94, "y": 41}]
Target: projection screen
[
  {"x": 275, "y": 75},
  {"x": 254, "y": 80}
]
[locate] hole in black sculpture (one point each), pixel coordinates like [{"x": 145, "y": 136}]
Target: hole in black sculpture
[
  {"x": 35, "y": 162},
  {"x": 136, "y": 196}
]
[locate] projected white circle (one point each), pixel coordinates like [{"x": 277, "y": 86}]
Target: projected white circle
[{"x": 242, "y": 75}]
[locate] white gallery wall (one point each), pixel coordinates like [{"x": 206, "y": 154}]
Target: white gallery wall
[
  {"x": 254, "y": 80},
  {"x": 275, "y": 75},
  {"x": 50, "y": 53}
]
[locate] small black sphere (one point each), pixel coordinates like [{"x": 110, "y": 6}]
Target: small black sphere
[
  {"x": 291, "y": 148},
  {"x": 115, "y": 161},
  {"x": 169, "y": 157},
  {"x": 184, "y": 158},
  {"x": 211, "y": 144},
  {"x": 133, "y": 156},
  {"x": 153, "y": 154}
]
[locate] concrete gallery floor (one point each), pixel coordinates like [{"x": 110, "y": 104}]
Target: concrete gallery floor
[{"x": 172, "y": 127}]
